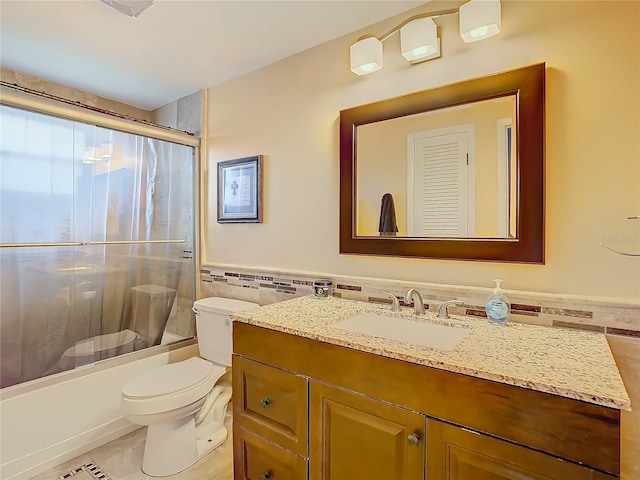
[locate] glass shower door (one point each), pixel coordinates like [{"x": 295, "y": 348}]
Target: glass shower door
[{"x": 97, "y": 233}]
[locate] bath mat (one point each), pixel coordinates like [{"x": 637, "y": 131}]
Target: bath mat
[{"x": 88, "y": 471}]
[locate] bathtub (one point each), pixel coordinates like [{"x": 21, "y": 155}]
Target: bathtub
[{"x": 50, "y": 420}]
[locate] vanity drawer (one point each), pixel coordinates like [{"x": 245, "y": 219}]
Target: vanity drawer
[
  {"x": 258, "y": 459},
  {"x": 272, "y": 403}
]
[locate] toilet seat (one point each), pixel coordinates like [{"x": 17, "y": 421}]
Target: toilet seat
[{"x": 170, "y": 386}]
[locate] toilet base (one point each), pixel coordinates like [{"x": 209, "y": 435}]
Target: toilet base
[
  {"x": 212, "y": 442},
  {"x": 175, "y": 445},
  {"x": 172, "y": 448},
  {"x": 169, "y": 447}
]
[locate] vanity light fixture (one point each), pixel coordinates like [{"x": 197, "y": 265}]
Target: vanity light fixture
[
  {"x": 419, "y": 40},
  {"x": 90, "y": 155},
  {"x": 106, "y": 151},
  {"x": 479, "y": 19},
  {"x": 366, "y": 56},
  {"x": 96, "y": 154}
]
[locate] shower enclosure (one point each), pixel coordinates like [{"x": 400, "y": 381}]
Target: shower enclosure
[{"x": 97, "y": 233}]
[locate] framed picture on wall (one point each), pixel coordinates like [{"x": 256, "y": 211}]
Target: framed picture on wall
[{"x": 240, "y": 190}]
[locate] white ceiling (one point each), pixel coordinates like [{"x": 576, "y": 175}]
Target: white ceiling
[{"x": 174, "y": 48}]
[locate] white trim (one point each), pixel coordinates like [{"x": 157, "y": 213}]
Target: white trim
[{"x": 503, "y": 180}]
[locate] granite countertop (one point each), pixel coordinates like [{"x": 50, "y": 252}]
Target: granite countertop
[{"x": 570, "y": 363}]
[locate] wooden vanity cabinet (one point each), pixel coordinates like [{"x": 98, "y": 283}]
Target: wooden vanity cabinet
[
  {"x": 352, "y": 415},
  {"x": 270, "y": 422},
  {"x": 456, "y": 453},
  {"x": 256, "y": 458},
  {"x": 353, "y": 436}
]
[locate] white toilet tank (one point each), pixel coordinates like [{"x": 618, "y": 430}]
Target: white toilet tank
[{"x": 213, "y": 326}]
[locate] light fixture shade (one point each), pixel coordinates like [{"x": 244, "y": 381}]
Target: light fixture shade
[
  {"x": 419, "y": 39},
  {"x": 90, "y": 155},
  {"x": 366, "y": 56},
  {"x": 480, "y": 19},
  {"x": 105, "y": 152}
]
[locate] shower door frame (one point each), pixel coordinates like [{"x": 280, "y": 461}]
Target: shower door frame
[{"x": 40, "y": 104}]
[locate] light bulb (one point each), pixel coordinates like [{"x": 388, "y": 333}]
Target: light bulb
[
  {"x": 418, "y": 52},
  {"x": 479, "y": 32}
]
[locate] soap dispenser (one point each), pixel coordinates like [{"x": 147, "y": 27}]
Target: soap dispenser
[{"x": 497, "y": 306}]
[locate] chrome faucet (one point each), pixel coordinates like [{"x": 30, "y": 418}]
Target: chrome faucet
[
  {"x": 443, "y": 312},
  {"x": 418, "y": 305}
]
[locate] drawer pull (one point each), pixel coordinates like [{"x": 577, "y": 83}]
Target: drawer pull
[
  {"x": 266, "y": 475},
  {"x": 265, "y": 402},
  {"x": 414, "y": 439}
]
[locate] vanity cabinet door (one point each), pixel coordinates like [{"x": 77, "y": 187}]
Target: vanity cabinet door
[
  {"x": 255, "y": 458},
  {"x": 272, "y": 403},
  {"x": 357, "y": 437},
  {"x": 454, "y": 453}
]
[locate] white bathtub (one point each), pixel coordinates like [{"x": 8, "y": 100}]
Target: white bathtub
[{"x": 54, "y": 419}]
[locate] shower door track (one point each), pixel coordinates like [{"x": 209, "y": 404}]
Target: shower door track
[{"x": 80, "y": 244}]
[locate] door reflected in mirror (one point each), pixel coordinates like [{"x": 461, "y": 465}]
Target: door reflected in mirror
[{"x": 451, "y": 172}]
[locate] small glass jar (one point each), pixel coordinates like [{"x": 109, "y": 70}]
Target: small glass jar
[{"x": 322, "y": 288}]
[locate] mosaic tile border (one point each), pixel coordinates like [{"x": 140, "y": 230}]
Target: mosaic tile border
[
  {"x": 561, "y": 311},
  {"x": 91, "y": 468}
]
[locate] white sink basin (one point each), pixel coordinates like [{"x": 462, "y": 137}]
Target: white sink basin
[{"x": 426, "y": 334}]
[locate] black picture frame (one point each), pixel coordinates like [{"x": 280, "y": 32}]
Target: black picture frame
[{"x": 240, "y": 190}]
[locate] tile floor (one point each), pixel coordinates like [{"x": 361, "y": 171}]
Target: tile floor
[{"x": 121, "y": 459}]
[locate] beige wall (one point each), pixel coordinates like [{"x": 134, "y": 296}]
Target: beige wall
[{"x": 289, "y": 113}]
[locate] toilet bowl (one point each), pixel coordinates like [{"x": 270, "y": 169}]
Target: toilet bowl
[
  {"x": 98, "y": 348},
  {"x": 183, "y": 404},
  {"x": 150, "y": 311}
]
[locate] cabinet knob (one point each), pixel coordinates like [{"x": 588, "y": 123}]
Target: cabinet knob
[
  {"x": 265, "y": 402},
  {"x": 414, "y": 439},
  {"x": 266, "y": 475}
]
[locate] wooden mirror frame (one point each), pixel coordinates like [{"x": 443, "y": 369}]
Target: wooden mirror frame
[{"x": 528, "y": 85}]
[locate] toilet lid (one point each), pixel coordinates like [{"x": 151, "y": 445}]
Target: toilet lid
[
  {"x": 100, "y": 343},
  {"x": 171, "y": 378}
]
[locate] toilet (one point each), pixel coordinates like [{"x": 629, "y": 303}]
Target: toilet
[
  {"x": 151, "y": 308},
  {"x": 182, "y": 403},
  {"x": 98, "y": 348}
]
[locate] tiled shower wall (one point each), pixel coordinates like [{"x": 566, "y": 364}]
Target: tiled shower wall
[{"x": 603, "y": 315}]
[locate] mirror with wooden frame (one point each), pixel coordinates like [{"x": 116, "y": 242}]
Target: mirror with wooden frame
[{"x": 455, "y": 172}]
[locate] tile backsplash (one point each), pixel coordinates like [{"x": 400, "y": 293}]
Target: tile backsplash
[{"x": 604, "y": 315}]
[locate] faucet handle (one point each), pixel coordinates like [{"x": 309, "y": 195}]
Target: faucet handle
[
  {"x": 395, "y": 304},
  {"x": 443, "y": 311}
]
